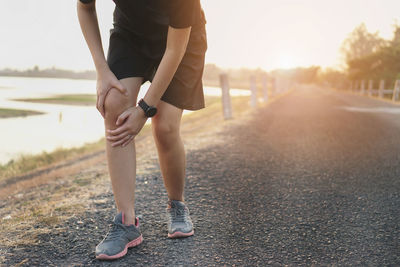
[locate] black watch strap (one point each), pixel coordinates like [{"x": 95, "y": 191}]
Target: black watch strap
[
  {"x": 149, "y": 111},
  {"x": 143, "y": 105}
]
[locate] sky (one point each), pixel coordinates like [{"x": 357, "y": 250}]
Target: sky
[{"x": 268, "y": 34}]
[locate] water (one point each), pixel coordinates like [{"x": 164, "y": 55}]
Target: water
[{"x": 62, "y": 126}]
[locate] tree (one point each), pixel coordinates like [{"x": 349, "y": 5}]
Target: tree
[
  {"x": 396, "y": 38},
  {"x": 380, "y": 59},
  {"x": 333, "y": 78},
  {"x": 360, "y": 43}
]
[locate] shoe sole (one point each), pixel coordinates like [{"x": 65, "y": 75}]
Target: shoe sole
[
  {"x": 180, "y": 234},
  {"x": 131, "y": 244}
]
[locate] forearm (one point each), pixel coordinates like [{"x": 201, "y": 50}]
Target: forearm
[
  {"x": 87, "y": 17},
  {"x": 163, "y": 77},
  {"x": 177, "y": 41}
]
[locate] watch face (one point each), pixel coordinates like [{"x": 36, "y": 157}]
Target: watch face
[{"x": 151, "y": 112}]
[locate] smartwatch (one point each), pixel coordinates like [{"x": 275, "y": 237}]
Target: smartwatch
[{"x": 149, "y": 111}]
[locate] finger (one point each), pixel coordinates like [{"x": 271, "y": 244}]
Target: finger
[
  {"x": 117, "y": 137},
  {"x": 100, "y": 106},
  {"x": 118, "y": 131},
  {"x": 99, "y": 109},
  {"x": 129, "y": 140},
  {"x": 120, "y": 142},
  {"x": 97, "y": 104},
  {"x": 120, "y": 87},
  {"x": 122, "y": 117}
]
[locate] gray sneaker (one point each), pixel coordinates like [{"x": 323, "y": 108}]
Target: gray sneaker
[
  {"x": 120, "y": 237},
  {"x": 179, "y": 222}
]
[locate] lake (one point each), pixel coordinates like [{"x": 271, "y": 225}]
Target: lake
[{"x": 61, "y": 126}]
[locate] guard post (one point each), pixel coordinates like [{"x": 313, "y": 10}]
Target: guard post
[
  {"x": 396, "y": 91},
  {"x": 226, "y": 98},
  {"x": 370, "y": 87},
  {"x": 253, "y": 89},
  {"x": 265, "y": 88},
  {"x": 381, "y": 88},
  {"x": 362, "y": 87}
]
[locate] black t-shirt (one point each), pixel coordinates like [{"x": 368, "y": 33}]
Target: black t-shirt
[{"x": 150, "y": 18}]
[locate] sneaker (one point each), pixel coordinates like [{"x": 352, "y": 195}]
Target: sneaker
[
  {"x": 120, "y": 237},
  {"x": 179, "y": 222}
]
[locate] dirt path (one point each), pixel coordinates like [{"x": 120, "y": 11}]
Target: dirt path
[{"x": 309, "y": 179}]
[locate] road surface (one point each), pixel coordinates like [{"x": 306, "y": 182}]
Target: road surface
[{"x": 312, "y": 178}]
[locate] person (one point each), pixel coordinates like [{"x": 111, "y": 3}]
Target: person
[{"x": 163, "y": 42}]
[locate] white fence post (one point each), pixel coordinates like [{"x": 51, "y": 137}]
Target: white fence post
[
  {"x": 362, "y": 87},
  {"x": 265, "y": 88},
  {"x": 355, "y": 89},
  {"x": 278, "y": 86},
  {"x": 253, "y": 89},
  {"x": 274, "y": 87},
  {"x": 396, "y": 91},
  {"x": 226, "y": 98},
  {"x": 381, "y": 88},
  {"x": 370, "y": 87}
]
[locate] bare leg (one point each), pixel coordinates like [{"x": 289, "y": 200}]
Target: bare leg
[
  {"x": 171, "y": 152},
  {"x": 122, "y": 160}
]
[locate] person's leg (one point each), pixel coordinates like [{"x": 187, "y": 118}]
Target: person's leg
[
  {"x": 171, "y": 152},
  {"x": 122, "y": 160}
]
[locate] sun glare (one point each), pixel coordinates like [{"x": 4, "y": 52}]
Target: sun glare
[{"x": 286, "y": 61}]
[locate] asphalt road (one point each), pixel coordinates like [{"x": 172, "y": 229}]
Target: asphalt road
[{"x": 311, "y": 179}]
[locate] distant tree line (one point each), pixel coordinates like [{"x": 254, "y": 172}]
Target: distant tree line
[
  {"x": 238, "y": 77},
  {"x": 49, "y": 73}
]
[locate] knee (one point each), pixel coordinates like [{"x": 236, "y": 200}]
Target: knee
[
  {"x": 114, "y": 104},
  {"x": 165, "y": 132}
]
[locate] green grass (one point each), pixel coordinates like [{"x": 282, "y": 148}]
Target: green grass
[
  {"x": 9, "y": 113},
  {"x": 82, "y": 181},
  {"x": 214, "y": 107},
  {"x": 75, "y": 99},
  {"x": 27, "y": 162}
]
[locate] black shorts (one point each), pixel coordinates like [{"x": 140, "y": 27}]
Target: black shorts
[{"x": 132, "y": 56}]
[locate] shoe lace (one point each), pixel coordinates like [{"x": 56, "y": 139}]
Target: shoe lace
[
  {"x": 116, "y": 231},
  {"x": 179, "y": 214}
]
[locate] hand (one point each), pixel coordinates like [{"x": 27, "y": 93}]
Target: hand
[
  {"x": 105, "y": 81},
  {"x": 130, "y": 123}
]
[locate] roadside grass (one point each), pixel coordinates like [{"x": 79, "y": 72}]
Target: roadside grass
[
  {"x": 9, "y": 113},
  {"x": 44, "y": 209},
  {"x": 214, "y": 108},
  {"x": 42, "y": 216},
  {"x": 27, "y": 162}
]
